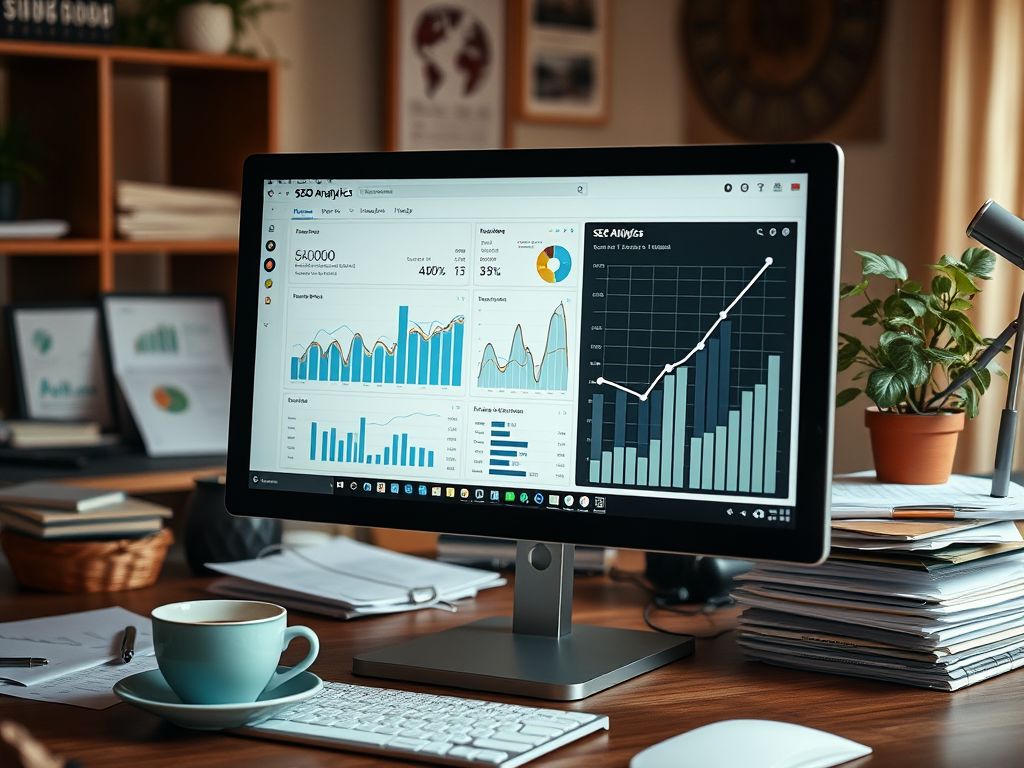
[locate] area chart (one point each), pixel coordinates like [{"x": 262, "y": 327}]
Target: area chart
[
  {"x": 521, "y": 370},
  {"x": 425, "y": 353}
]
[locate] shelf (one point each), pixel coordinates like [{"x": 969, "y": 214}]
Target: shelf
[
  {"x": 148, "y": 57},
  {"x": 175, "y": 246},
  {"x": 68, "y": 247}
]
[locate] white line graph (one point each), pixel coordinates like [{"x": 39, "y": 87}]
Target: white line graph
[{"x": 723, "y": 315}]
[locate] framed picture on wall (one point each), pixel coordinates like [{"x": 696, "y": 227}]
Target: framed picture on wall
[
  {"x": 60, "y": 364},
  {"x": 446, "y": 74},
  {"x": 561, "y": 60}
]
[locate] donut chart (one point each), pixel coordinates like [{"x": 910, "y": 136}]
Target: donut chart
[{"x": 554, "y": 264}]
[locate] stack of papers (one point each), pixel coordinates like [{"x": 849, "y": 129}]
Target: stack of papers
[
  {"x": 161, "y": 212},
  {"x": 860, "y": 496},
  {"x": 347, "y": 579},
  {"x": 934, "y": 601},
  {"x": 83, "y": 655}
]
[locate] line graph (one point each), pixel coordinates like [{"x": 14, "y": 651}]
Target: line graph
[
  {"x": 686, "y": 359},
  {"x": 723, "y": 315},
  {"x": 521, "y": 369}
]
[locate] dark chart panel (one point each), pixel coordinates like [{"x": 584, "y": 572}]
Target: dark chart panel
[{"x": 687, "y": 357}]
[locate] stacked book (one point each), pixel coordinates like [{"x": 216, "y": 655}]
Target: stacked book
[
  {"x": 53, "y": 511},
  {"x": 162, "y": 212},
  {"x": 935, "y": 603}
]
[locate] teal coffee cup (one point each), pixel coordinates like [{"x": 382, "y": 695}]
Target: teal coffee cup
[{"x": 225, "y": 651}]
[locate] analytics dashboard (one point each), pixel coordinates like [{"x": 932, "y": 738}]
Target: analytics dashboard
[{"x": 573, "y": 344}]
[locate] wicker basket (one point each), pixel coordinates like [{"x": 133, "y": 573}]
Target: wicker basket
[{"x": 86, "y": 566}]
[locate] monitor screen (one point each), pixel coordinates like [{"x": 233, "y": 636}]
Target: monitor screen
[{"x": 618, "y": 347}]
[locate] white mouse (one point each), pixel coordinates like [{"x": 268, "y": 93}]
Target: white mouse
[{"x": 750, "y": 744}]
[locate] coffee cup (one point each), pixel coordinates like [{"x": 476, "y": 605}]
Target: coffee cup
[{"x": 225, "y": 651}]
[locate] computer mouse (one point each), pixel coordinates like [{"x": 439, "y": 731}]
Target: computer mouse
[{"x": 750, "y": 744}]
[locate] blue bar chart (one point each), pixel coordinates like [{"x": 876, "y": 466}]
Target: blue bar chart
[
  {"x": 403, "y": 441},
  {"x": 505, "y": 450},
  {"x": 429, "y": 354},
  {"x": 521, "y": 369}
]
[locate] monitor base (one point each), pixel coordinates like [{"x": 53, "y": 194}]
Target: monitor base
[{"x": 488, "y": 656}]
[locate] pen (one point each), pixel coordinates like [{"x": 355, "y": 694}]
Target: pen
[
  {"x": 128, "y": 645},
  {"x": 22, "y": 661}
]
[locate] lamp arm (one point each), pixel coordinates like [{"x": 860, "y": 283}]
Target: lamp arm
[
  {"x": 986, "y": 357},
  {"x": 1008, "y": 421}
]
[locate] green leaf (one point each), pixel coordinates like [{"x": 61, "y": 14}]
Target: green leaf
[
  {"x": 848, "y": 353},
  {"x": 970, "y": 400},
  {"x": 887, "y": 388},
  {"x": 997, "y": 369},
  {"x": 941, "y": 284},
  {"x": 906, "y": 355},
  {"x": 961, "y": 304},
  {"x": 911, "y": 286},
  {"x": 861, "y": 374},
  {"x": 961, "y": 279},
  {"x": 842, "y": 398},
  {"x": 943, "y": 357},
  {"x": 886, "y": 266},
  {"x": 983, "y": 380},
  {"x": 846, "y": 290},
  {"x": 979, "y": 262},
  {"x": 903, "y": 325},
  {"x": 896, "y": 307},
  {"x": 870, "y": 321},
  {"x": 869, "y": 309},
  {"x": 917, "y": 305}
]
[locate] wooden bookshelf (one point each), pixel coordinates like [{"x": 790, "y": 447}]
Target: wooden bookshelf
[{"x": 219, "y": 110}]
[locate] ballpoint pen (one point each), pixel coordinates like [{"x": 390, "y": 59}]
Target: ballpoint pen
[
  {"x": 22, "y": 661},
  {"x": 128, "y": 645}
]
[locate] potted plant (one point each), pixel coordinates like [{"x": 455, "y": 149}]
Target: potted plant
[
  {"x": 210, "y": 26},
  {"x": 16, "y": 152},
  {"x": 926, "y": 341}
]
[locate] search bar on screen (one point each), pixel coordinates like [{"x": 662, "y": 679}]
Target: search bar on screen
[{"x": 504, "y": 189}]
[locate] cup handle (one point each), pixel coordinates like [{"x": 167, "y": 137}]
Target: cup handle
[{"x": 290, "y": 633}]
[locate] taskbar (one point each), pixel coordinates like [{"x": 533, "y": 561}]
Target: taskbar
[{"x": 625, "y": 505}]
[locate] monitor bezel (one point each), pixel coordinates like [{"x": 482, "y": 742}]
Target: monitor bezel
[{"x": 806, "y": 542}]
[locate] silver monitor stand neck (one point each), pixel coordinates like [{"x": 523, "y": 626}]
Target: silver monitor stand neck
[{"x": 538, "y": 651}]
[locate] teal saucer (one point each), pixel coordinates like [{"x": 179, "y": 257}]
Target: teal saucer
[{"x": 149, "y": 692}]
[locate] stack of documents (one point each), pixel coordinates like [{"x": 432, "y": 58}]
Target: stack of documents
[
  {"x": 935, "y": 603},
  {"x": 76, "y": 656},
  {"x": 860, "y": 496},
  {"x": 347, "y": 579},
  {"x": 55, "y": 511},
  {"x": 161, "y": 212}
]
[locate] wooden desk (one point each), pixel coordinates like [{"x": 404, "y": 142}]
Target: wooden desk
[{"x": 979, "y": 726}]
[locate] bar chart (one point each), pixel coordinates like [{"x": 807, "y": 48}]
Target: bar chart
[
  {"x": 689, "y": 372},
  {"x": 521, "y": 369},
  {"x": 412, "y": 440},
  {"x": 425, "y": 353},
  {"x": 522, "y": 443}
]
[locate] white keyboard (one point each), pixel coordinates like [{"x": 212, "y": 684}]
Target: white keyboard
[{"x": 433, "y": 729}]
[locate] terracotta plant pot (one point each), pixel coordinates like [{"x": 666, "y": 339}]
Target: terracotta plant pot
[{"x": 913, "y": 449}]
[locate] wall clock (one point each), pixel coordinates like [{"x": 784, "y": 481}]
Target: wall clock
[{"x": 780, "y": 70}]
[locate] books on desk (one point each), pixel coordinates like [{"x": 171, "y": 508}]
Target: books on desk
[
  {"x": 57, "y": 511},
  {"x": 934, "y": 604}
]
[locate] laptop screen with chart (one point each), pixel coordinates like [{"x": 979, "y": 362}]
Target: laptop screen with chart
[{"x": 595, "y": 350}]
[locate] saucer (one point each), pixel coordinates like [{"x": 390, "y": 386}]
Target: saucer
[{"x": 150, "y": 692}]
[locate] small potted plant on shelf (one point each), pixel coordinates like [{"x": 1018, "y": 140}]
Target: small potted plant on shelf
[
  {"x": 208, "y": 26},
  {"x": 926, "y": 342},
  {"x": 16, "y": 152}
]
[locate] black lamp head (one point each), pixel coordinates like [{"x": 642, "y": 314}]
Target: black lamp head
[{"x": 999, "y": 230}]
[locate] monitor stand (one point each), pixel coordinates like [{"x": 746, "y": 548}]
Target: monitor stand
[{"x": 538, "y": 652}]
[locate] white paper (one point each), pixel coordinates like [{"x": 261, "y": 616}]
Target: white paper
[
  {"x": 860, "y": 495},
  {"x": 62, "y": 364},
  {"x": 358, "y": 575},
  {"x": 71, "y": 642},
  {"x": 993, "y": 533},
  {"x": 171, "y": 358},
  {"x": 90, "y": 688}
]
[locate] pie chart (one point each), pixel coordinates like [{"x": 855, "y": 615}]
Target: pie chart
[
  {"x": 170, "y": 399},
  {"x": 553, "y": 264}
]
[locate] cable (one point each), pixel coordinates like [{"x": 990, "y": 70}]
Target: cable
[{"x": 617, "y": 574}]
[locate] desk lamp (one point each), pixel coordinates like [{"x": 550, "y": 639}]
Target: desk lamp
[{"x": 999, "y": 230}]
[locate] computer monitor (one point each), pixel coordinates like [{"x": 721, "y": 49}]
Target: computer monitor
[{"x": 627, "y": 347}]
